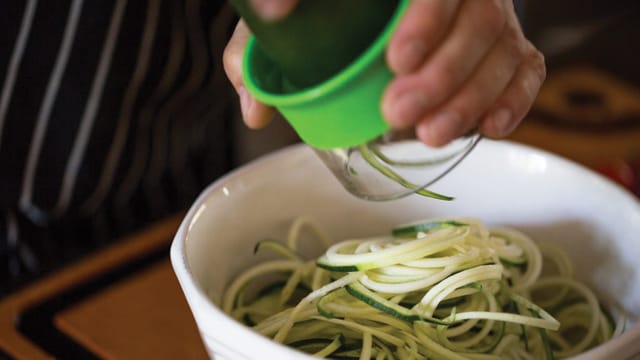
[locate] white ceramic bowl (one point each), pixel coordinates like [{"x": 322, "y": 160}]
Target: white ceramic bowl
[{"x": 501, "y": 183}]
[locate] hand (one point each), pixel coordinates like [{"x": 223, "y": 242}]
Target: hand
[
  {"x": 255, "y": 114},
  {"x": 460, "y": 65}
]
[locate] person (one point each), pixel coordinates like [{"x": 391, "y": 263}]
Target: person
[
  {"x": 459, "y": 65},
  {"x": 117, "y": 114},
  {"x": 113, "y": 115}
]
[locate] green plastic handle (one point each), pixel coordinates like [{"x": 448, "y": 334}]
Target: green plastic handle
[
  {"x": 320, "y": 37},
  {"x": 341, "y": 111}
]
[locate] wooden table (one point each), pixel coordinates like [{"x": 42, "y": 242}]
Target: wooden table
[
  {"x": 125, "y": 303},
  {"x": 586, "y": 115},
  {"x": 122, "y": 303}
]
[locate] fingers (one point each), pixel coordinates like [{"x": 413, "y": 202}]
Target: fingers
[
  {"x": 460, "y": 64},
  {"x": 421, "y": 30},
  {"x": 233, "y": 53},
  {"x": 479, "y": 72},
  {"x": 255, "y": 114},
  {"x": 461, "y": 112},
  {"x": 516, "y": 100},
  {"x": 273, "y": 10},
  {"x": 473, "y": 32}
]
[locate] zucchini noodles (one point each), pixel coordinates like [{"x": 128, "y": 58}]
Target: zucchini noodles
[{"x": 435, "y": 289}]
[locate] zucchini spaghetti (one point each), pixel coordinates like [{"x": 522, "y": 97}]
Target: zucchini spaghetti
[{"x": 435, "y": 289}]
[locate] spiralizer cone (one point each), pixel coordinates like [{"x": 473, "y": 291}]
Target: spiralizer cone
[{"x": 343, "y": 109}]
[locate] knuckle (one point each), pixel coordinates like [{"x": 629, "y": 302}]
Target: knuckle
[
  {"x": 519, "y": 45},
  {"x": 471, "y": 105},
  {"x": 527, "y": 90},
  {"x": 442, "y": 82},
  {"x": 227, "y": 59},
  {"x": 536, "y": 62},
  {"x": 513, "y": 47},
  {"x": 230, "y": 63},
  {"x": 494, "y": 19},
  {"x": 539, "y": 65}
]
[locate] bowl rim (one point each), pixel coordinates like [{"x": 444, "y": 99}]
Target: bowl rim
[
  {"x": 186, "y": 278},
  {"x": 190, "y": 285}
]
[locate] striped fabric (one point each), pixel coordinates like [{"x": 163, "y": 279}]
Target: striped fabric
[{"x": 113, "y": 113}]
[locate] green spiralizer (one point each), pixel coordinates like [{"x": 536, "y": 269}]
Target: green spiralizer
[{"x": 323, "y": 67}]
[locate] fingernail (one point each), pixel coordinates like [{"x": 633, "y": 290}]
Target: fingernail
[
  {"x": 406, "y": 110},
  {"x": 270, "y": 10},
  {"x": 245, "y": 102},
  {"x": 502, "y": 122},
  {"x": 410, "y": 56},
  {"x": 440, "y": 130}
]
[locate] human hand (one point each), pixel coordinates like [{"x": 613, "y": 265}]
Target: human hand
[
  {"x": 460, "y": 65},
  {"x": 255, "y": 114}
]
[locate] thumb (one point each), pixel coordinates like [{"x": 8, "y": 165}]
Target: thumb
[
  {"x": 254, "y": 113},
  {"x": 273, "y": 10}
]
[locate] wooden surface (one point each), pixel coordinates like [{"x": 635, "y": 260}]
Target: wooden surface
[
  {"x": 588, "y": 148},
  {"x": 150, "y": 305},
  {"x": 161, "y": 283},
  {"x": 585, "y": 115}
]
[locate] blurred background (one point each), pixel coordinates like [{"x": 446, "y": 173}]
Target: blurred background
[
  {"x": 589, "y": 107},
  {"x": 115, "y": 296}
]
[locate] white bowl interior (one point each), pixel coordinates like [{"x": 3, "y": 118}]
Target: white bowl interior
[{"x": 501, "y": 183}]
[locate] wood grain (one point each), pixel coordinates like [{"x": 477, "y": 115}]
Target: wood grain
[
  {"x": 144, "y": 317},
  {"x": 15, "y": 344}
]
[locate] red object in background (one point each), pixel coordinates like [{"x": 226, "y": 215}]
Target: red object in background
[
  {"x": 636, "y": 184},
  {"x": 625, "y": 173}
]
